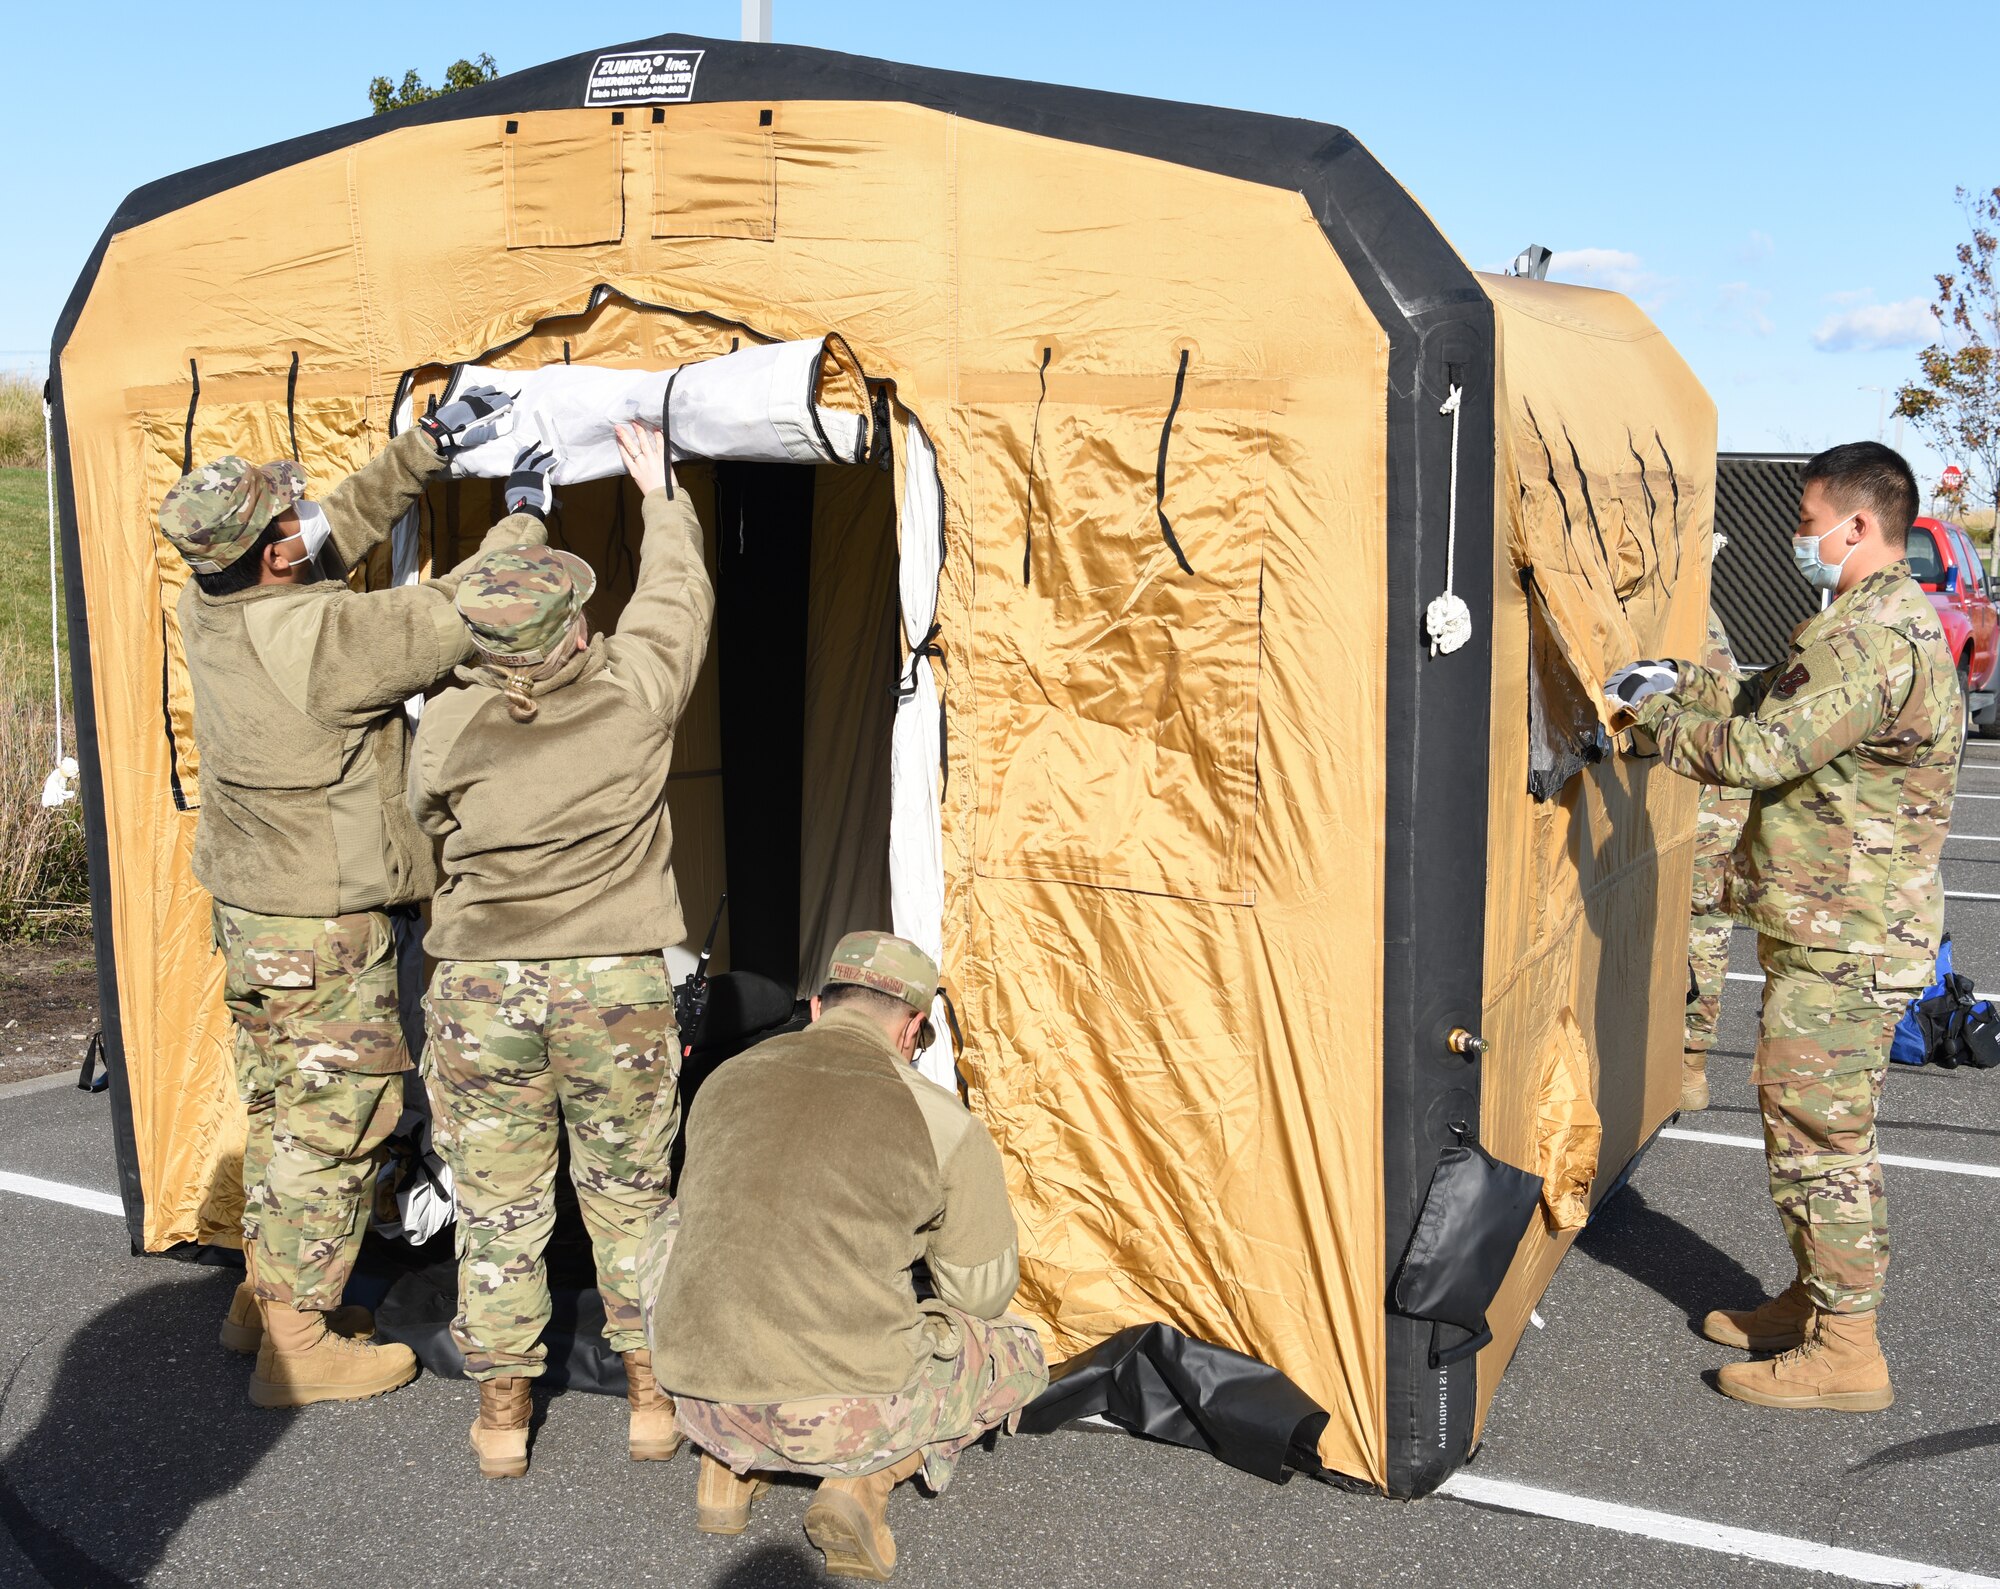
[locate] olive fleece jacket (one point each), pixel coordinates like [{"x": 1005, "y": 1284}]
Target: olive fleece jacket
[
  {"x": 556, "y": 837},
  {"x": 298, "y": 694},
  {"x": 820, "y": 1166}
]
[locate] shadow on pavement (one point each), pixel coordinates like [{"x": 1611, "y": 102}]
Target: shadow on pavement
[
  {"x": 147, "y": 1419},
  {"x": 1938, "y": 1445},
  {"x": 773, "y": 1567},
  {"x": 1661, "y": 1253}
]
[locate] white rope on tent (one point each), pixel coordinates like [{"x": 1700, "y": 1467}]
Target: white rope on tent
[
  {"x": 1447, "y": 618},
  {"x": 60, "y": 786}
]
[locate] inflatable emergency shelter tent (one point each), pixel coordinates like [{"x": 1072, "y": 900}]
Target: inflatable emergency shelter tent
[{"x": 1088, "y": 643}]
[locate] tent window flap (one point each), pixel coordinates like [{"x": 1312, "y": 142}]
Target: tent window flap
[
  {"x": 715, "y": 175},
  {"x": 563, "y": 179}
]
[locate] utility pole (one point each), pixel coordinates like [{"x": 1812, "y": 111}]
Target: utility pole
[
  {"x": 1881, "y": 392},
  {"x": 756, "y": 21}
]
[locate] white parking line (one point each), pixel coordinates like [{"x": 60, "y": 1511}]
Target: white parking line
[
  {"x": 57, "y": 1192},
  {"x": 1901, "y": 1160},
  {"x": 1860, "y": 1566}
]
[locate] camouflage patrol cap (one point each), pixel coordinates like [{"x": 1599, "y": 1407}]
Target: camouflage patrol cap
[
  {"x": 519, "y": 603},
  {"x": 888, "y": 964},
  {"x": 214, "y": 515}
]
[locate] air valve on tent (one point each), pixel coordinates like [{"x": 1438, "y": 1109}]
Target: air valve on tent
[{"x": 1463, "y": 1042}]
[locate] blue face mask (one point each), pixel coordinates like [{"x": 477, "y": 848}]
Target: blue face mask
[{"x": 1819, "y": 573}]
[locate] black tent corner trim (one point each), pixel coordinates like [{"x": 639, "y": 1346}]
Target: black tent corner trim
[
  {"x": 1439, "y": 325},
  {"x": 1159, "y": 1383}
]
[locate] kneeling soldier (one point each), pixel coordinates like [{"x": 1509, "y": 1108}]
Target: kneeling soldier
[
  {"x": 304, "y": 841},
  {"x": 820, "y": 1167}
]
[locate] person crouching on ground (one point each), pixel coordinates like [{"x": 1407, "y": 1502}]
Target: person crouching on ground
[
  {"x": 820, "y": 1167},
  {"x": 545, "y": 777},
  {"x": 304, "y": 842}
]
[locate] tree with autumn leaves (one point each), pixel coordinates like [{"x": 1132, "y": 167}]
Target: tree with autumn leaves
[{"x": 1955, "y": 402}]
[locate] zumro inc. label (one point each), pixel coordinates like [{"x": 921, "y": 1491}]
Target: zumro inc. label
[{"x": 642, "y": 77}]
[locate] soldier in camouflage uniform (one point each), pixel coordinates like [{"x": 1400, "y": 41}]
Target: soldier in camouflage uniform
[
  {"x": 820, "y": 1167},
  {"x": 304, "y": 842},
  {"x": 1718, "y": 825},
  {"x": 545, "y": 778},
  {"x": 1850, "y": 748}
]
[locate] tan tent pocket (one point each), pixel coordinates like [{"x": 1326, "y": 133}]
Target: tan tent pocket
[
  {"x": 715, "y": 172},
  {"x": 1116, "y": 693},
  {"x": 563, "y": 178},
  {"x": 1568, "y": 1133}
]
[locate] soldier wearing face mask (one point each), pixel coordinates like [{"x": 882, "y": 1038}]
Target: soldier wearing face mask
[
  {"x": 1849, "y": 748},
  {"x": 304, "y": 840}
]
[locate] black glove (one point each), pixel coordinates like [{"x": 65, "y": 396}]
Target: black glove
[
  {"x": 469, "y": 420},
  {"x": 529, "y": 488}
]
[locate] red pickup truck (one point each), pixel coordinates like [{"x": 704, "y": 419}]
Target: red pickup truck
[{"x": 1945, "y": 564}]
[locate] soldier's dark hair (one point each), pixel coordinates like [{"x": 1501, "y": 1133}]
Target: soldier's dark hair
[
  {"x": 868, "y": 1001},
  {"x": 241, "y": 574},
  {"x": 1866, "y": 474}
]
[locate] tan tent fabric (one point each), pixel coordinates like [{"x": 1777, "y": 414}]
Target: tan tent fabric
[{"x": 1163, "y": 812}]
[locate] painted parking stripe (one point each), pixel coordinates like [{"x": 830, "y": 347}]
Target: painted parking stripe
[
  {"x": 57, "y": 1192},
  {"x": 1860, "y": 1566},
  {"x": 1905, "y": 1161}
]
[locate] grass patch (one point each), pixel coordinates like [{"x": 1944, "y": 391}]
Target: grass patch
[
  {"x": 24, "y": 583},
  {"x": 44, "y": 877}
]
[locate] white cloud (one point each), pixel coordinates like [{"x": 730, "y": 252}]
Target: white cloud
[
  {"x": 1611, "y": 268},
  {"x": 1875, "y": 327},
  {"x": 1740, "y": 308},
  {"x": 1757, "y": 247}
]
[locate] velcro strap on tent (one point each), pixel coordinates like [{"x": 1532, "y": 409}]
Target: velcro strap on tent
[
  {"x": 1034, "y": 442},
  {"x": 187, "y": 435},
  {"x": 784, "y": 402},
  {"x": 292, "y": 405},
  {"x": 1160, "y": 474}
]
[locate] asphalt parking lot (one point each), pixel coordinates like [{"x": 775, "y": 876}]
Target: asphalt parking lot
[{"x": 129, "y": 1452}]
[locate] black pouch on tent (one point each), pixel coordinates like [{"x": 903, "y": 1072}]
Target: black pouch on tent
[{"x": 1473, "y": 1218}]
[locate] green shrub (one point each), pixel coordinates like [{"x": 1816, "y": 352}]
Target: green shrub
[{"x": 21, "y": 434}]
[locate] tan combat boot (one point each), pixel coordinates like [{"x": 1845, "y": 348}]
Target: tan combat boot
[
  {"x": 302, "y": 1361},
  {"x": 722, "y": 1500},
  {"x": 652, "y": 1435},
  {"x": 848, "y": 1522},
  {"x": 1694, "y": 1080},
  {"x": 1777, "y": 1325},
  {"x": 500, "y": 1433},
  {"x": 1839, "y": 1367},
  {"x": 243, "y": 1328}
]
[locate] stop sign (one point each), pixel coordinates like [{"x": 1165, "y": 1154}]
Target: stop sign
[{"x": 1952, "y": 478}]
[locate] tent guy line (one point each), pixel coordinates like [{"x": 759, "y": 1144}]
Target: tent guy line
[
  {"x": 1901, "y": 1160},
  {"x": 1859, "y": 1566}
]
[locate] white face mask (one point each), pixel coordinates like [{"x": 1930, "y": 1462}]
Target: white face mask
[
  {"x": 1819, "y": 573},
  {"x": 314, "y": 529}
]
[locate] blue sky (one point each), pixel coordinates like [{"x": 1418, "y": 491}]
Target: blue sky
[{"x": 1773, "y": 181}]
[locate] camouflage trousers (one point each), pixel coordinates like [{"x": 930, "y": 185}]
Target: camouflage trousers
[
  {"x": 515, "y": 1051},
  {"x": 1820, "y": 1063},
  {"x": 980, "y": 1375},
  {"x": 1717, "y": 827},
  {"x": 319, "y": 1063}
]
